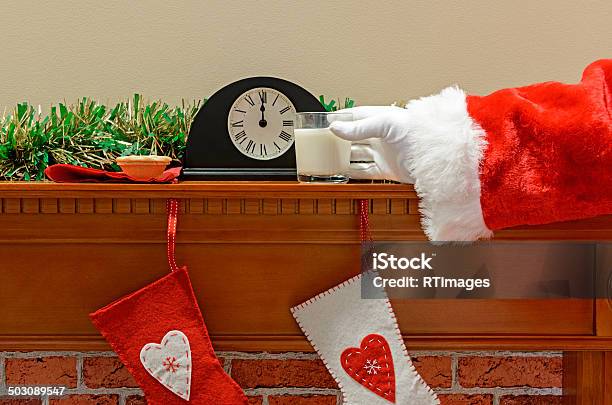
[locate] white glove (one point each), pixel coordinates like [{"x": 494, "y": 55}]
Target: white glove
[
  {"x": 434, "y": 144},
  {"x": 379, "y": 136}
]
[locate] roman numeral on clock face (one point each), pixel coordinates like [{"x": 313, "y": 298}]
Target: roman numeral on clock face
[
  {"x": 250, "y": 148},
  {"x": 285, "y": 136},
  {"x": 260, "y": 124}
]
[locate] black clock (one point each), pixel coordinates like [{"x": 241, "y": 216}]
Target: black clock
[{"x": 245, "y": 131}]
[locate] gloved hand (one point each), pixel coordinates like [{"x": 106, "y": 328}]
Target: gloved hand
[
  {"x": 434, "y": 144},
  {"x": 380, "y": 137}
]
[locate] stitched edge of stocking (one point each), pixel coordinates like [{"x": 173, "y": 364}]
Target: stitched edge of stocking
[
  {"x": 433, "y": 394},
  {"x": 350, "y": 281}
]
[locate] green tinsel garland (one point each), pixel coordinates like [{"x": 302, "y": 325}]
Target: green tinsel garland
[{"x": 91, "y": 134}]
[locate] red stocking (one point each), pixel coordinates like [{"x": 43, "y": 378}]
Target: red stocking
[{"x": 159, "y": 334}]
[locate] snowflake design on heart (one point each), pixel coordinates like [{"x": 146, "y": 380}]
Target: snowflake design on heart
[
  {"x": 372, "y": 366},
  {"x": 170, "y": 364}
]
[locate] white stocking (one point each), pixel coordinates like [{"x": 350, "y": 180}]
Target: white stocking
[{"x": 361, "y": 345}]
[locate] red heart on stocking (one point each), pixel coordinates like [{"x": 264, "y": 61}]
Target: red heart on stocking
[{"x": 371, "y": 365}]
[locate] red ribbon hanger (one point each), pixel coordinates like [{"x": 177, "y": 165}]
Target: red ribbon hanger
[{"x": 172, "y": 207}]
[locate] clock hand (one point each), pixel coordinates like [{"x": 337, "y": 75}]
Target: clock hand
[{"x": 262, "y": 121}]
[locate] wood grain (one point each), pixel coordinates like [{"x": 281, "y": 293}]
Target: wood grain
[
  {"x": 254, "y": 250},
  {"x": 587, "y": 377},
  {"x": 241, "y": 189},
  {"x": 603, "y": 305},
  {"x": 607, "y": 377}
]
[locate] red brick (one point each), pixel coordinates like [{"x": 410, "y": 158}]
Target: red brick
[
  {"x": 255, "y": 400},
  {"x": 435, "y": 370},
  {"x": 57, "y": 371},
  {"x": 106, "y": 372},
  {"x": 531, "y": 400},
  {"x": 86, "y": 400},
  {"x": 463, "y": 399},
  {"x": 303, "y": 400},
  {"x": 281, "y": 373},
  {"x": 19, "y": 401},
  {"x": 135, "y": 400},
  {"x": 538, "y": 372}
]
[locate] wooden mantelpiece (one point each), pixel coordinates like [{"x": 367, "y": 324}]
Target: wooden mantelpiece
[{"x": 254, "y": 250}]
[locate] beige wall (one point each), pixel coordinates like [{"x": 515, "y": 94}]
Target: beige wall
[{"x": 374, "y": 51}]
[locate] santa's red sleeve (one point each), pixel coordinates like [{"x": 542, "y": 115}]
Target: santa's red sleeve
[{"x": 527, "y": 155}]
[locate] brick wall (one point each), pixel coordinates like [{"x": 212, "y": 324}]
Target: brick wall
[{"x": 487, "y": 378}]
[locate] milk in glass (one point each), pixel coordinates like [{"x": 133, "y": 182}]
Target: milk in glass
[{"x": 321, "y": 155}]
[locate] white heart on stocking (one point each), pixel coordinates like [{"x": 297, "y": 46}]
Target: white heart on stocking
[{"x": 170, "y": 362}]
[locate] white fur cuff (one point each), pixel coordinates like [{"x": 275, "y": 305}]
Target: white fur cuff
[{"x": 447, "y": 147}]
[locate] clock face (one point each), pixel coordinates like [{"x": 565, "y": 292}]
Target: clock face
[{"x": 260, "y": 123}]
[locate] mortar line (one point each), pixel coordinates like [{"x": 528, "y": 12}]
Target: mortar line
[
  {"x": 2, "y": 375},
  {"x": 99, "y": 354},
  {"x": 489, "y": 353},
  {"x": 279, "y": 391},
  {"x": 79, "y": 370},
  {"x": 293, "y": 355},
  {"x": 268, "y": 356},
  {"x": 103, "y": 391},
  {"x": 510, "y": 354},
  {"x": 227, "y": 366},
  {"x": 37, "y": 354},
  {"x": 501, "y": 390},
  {"x": 455, "y": 372}
]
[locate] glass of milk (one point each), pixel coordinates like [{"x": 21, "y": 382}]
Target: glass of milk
[{"x": 321, "y": 156}]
